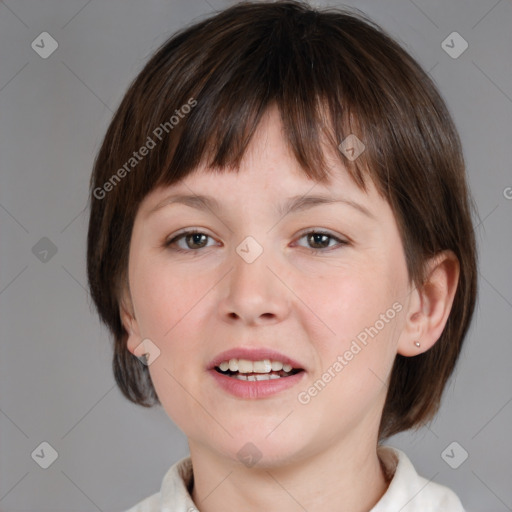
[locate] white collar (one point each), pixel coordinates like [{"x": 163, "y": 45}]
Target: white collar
[
  {"x": 407, "y": 491},
  {"x": 410, "y": 492}
]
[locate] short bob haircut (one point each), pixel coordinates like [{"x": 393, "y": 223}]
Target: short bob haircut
[{"x": 330, "y": 73}]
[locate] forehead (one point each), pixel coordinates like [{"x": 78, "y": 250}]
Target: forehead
[{"x": 268, "y": 169}]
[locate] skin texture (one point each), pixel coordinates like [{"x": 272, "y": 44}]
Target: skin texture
[{"x": 309, "y": 306}]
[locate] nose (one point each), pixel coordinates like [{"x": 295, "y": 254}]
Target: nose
[{"x": 254, "y": 293}]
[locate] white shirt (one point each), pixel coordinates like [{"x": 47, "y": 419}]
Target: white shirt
[{"x": 407, "y": 491}]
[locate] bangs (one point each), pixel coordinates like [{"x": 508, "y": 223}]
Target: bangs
[{"x": 321, "y": 92}]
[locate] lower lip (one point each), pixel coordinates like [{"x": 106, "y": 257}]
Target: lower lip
[{"x": 248, "y": 389}]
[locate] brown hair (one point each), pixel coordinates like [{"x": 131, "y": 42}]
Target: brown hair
[{"x": 330, "y": 73}]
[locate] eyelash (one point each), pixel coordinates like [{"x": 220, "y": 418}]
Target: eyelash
[{"x": 169, "y": 243}]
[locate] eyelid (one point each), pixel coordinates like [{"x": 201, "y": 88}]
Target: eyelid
[
  {"x": 182, "y": 233},
  {"x": 320, "y": 231}
]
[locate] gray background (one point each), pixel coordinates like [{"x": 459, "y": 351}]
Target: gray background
[{"x": 55, "y": 366}]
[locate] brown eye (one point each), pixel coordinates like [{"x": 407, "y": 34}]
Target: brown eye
[
  {"x": 319, "y": 241},
  {"x": 193, "y": 240}
]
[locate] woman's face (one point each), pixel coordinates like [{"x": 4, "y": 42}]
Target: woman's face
[{"x": 253, "y": 279}]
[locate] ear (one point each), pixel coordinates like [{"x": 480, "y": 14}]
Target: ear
[
  {"x": 430, "y": 305},
  {"x": 126, "y": 310}
]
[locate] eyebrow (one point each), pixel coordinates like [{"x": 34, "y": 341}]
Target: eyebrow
[{"x": 292, "y": 204}]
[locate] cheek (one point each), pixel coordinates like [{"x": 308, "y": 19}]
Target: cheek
[
  {"x": 168, "y": 305},
  {"x": 355, "y": 361},
  {"x": 163, "y": 298},
  {"x": 345, "y": 301},
  {"x": 359, "y": 324}
]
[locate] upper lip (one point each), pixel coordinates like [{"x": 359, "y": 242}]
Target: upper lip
[{"x": 253, "y": 354}]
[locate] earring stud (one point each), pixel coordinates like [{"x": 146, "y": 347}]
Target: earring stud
[{"x": 417, "y": 343}]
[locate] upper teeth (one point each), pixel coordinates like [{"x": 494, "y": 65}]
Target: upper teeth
[{"x": 246, "y": 366}]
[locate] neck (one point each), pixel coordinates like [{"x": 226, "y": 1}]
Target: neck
[{"x": 344, "y": 478}]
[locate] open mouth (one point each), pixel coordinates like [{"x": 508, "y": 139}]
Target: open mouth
[{"x": 257, "y": 376}]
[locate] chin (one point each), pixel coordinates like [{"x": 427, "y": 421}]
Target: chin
[{"x": 260, "y": 453}]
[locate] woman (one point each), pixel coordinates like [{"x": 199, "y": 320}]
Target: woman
[{"x": 281, "y": 243}]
